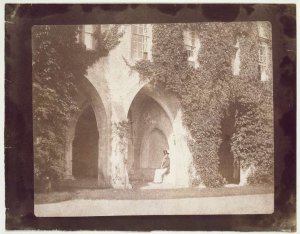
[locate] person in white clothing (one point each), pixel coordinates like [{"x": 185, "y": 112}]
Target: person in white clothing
[{"x": 164, "y": 168}]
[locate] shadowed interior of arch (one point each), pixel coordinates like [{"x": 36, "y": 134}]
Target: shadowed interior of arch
[
  {"x": 150, "y": 128},
  {"x": 155, "y": 143},
  {"x": 85, "y": 146}
]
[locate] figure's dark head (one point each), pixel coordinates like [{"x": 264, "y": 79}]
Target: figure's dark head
[{"x": 166, "y": 152}]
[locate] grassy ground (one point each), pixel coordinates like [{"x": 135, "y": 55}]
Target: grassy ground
[{"x": 149, "y": 194}]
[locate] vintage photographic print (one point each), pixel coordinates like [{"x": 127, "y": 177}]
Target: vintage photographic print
[{"x": 153, "y": 119}]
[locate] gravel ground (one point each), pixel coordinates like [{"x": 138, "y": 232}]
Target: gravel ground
[{"x": 242, "y": 204}]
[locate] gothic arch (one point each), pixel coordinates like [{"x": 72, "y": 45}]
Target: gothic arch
[
  {"x": 85, "y": 151},
  {"x": 161, "y": 96},
  {"x": 151, "y": 109},
  {"x": 93, "y": 99}
]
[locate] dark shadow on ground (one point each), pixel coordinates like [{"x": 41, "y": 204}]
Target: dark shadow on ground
[{"x": 148, "y": 194}]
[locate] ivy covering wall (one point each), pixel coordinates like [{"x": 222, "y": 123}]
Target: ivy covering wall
[
  {"x": 59, "y": 61},
  {"x": 206, "y": 93}
]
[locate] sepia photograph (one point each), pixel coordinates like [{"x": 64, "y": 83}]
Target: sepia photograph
[
  {"x": 153, "y": 119},
  {"x": 150, "y": 117}
]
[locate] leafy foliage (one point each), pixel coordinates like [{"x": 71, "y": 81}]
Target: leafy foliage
[
  {"x": 121, "y": 129},
  {"x": 59, "y": 61},
  {"x": 207, "y": 92}
]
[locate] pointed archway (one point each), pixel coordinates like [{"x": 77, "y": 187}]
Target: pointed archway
[
  {"x": 90, "y": 121},
  {"x": 229, "y": 166},
  {"x": 153, "y": 107},
  {"x": 85, "y": 146},
  {"x": 150, "y": 130}
]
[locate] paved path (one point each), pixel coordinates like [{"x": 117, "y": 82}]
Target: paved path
[{"x": 245, "y": 204}]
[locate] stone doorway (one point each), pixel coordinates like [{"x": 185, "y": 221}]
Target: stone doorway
[{"x": 85, "y": 146}]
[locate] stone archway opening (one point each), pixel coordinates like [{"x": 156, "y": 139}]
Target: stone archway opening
[
  {"x": 150, "y": 129},
  {"x": 85, "y": 146},
  {"x": 229, "y": 166},
  {"x": 87, "y": 141}
]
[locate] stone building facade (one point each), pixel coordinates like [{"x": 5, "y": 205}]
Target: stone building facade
[{"x": 124, "y": 123}]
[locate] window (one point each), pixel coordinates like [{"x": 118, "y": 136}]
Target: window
[
  {"x": 192, "y": 46},
  {"x": 88, "y": 36},
  {"x": 139, "y": 41},
  {"x": 189, "y": 41},
  {"x": 236, "y": 63},
  {"x": 264, "y": 30},
  {"x": 262, "y": 60},
  {"x": 104, "y": 27},
  {"x": 262, "y": 54},
  {"x": 264, "y": 50}
]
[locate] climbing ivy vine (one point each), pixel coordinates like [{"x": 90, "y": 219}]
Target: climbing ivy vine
[
  {"x": 207, "y": 92},
  {"x": 59, "y": 61},
  {"x": 121, "y": 129}
]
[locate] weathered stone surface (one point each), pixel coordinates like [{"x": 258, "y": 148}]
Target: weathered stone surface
[{"x": 115, "y": 91}]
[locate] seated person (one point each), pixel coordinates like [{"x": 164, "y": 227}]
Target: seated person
[{"x": 164, "y": 168}]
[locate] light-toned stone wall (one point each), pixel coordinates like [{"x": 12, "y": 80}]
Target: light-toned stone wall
[{"x": 117, "y": 85}]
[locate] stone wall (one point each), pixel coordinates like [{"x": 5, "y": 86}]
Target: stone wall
[
  {"x": 111, "y": 87},
  {"x": 118, "y": 96}
]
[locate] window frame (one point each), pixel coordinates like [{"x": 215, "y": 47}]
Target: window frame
[
  {"x": 139, "y": 42},
  {"x": 262, "y": 53},
  {"x": 91, "y": 34},
  {"x": 190, "y": 41}
]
